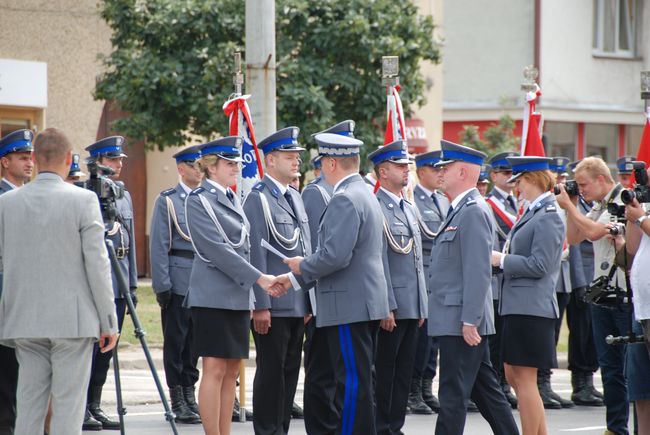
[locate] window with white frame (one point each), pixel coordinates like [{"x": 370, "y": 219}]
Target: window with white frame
[{"x": 615, "y": 27}]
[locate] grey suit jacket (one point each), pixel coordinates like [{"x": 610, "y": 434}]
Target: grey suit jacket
[
  {"x": 460, "y": 272},
  {"x": 285, "y": 220},
  {"x": 348, "y": 264},
  {"x": 65, "y": 292},
  {"x": 4, "y": 188},
  {"x": 169, "y": 272},
  {"x": 431, "y": 215},
  {"x": 531, "y": 268},
  {"x": 125, "y": 239},
  {"x": 226, "y": 280},
  {"x": 407, "y": 294},
  {"x": 315, "y": 196}
]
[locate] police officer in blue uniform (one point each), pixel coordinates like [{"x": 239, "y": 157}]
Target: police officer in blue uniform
[
  {"x": 75, "y": 173},
  {"x": 321, "y": 416},
  {"x": 460, "y": 299},
  {"x": 483, "y": 180},
  {"x": 108, "y": 152},
  {"x": 171, "y": 264},
  {"x": 17, "y": 166},
  {"x": 407, "y": 295},
  {"x": 432, "y": 206},
  {"x": 278, "y": 217},
  {"x": 625, "y": 169}
]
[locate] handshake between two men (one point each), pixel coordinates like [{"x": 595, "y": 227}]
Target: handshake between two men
[{"x": 277, "y": 286}]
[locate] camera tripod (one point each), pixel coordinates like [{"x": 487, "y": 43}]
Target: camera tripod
[{"x": 139, "y": 333}]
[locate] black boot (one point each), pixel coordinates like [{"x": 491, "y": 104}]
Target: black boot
[
  {"x": 183, "y": 413},
  {"x": 427, "y": 395},
  {"x": 510, "y": 397},
  {"x": 415, "y": 403},
  {"x": 297, "y": 412},
  {"x": 90, "y": 423},
  {"x": 582, "y": 392},
  {"x": 190, "y": 399},
  {"x": 544, "y": 386},
  {"x": 589, "y": 380},
  {"x": 94, "y": 400}
]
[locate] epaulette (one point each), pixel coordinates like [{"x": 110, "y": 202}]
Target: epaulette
[
  {"x": 259, "y": 186},
  {"x": 168, "y": 192},
  {"x": 551, "y": 207},
  {"x": 341, "y": 189},
  {"x": 470, "y": 201},
  {"x": 197, "y": 191}
]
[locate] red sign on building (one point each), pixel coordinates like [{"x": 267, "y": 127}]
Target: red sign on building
[{"x": 416, "y": 136}]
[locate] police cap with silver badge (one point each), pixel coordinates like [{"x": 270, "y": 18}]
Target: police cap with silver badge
[
  {"x": 316, "y": 163},
  {"x": 19, "y": 141},
  {"x": 282, "y": 140},
  {"x": 452, "y": 152},
  {"x": 427, "y": 159},
  {"x": 394, "y": 152},
  {"x": 110, "y": 147},
  {"x": 188, "y": 154},
  {"x": 484, "y": 175},
  {"x": 520, "y": 165},
  {"x": 344, "y": 128},
  {"x": 499, "y": 162},
  {"x": 336, "y": 145},
  {"x": 75, "y": 169},
  {"x": 572, "y": 165},
  {"x": 559, "y": 165},
  {"x": 227, "y": 148},
  {"x": 625, "y": 165}
]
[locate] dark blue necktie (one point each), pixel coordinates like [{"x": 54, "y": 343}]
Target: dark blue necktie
[
  {"x": 287, "y": 196},
  {"x": 511, "y": 201},
  {"x": 230, "y": 196},
  {"x": 435, "y": 202}
]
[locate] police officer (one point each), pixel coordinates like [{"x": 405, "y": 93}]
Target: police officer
[
  {"x": 108, "y": 152},
  {"x": 625, "y": 169},
  {"x": 321, "y": 416},
  {"x": 407, "y": 296},
  {"x": 277, "y": 216},
  {"x": 351, "y": 294},
  {"x": 75, "y": 172},
  {"x": 17, "y": 166},
  {"x": 432, "y": 206},
  {"x": 171, "y": 264},
  {"x": 483, "y": 180},
  {"x": 503, "y": 207},
  {"x": 460, "y": 299}
]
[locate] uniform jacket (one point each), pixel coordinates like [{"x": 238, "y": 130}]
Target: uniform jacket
[
  {"x": 563, "y": 284},
  {"x": 348, "y": 264},
  {"x": 407, "y": 295},
  {"x": 285, "y": 220},
  {"x": 459, "y": 275},
  {"x": 432, "y": 216},
  {"x": 315, "y": 196},
  {"x": 586, "y": 248},
  {"x": 530, "y": 269},
  {"x": 499, "y": 199},
  {"x": 124, "y": 239},
  {"x": 227, "y": 279},
  {"x": 65, "y": 292},
  {"x": 170, "y": 272},
  {"x": 4, "y": 188}
]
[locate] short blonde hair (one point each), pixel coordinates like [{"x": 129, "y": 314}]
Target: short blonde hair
[
  {"x": 594, "y": 166},
  {"x": 205, "y": 162}
]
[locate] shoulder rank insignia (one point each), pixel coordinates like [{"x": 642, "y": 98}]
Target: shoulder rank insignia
[
  {"x": 551, "y": 207},
  {"x": 168, "y": 192},
  {"x": 470, "y": 201},
  {"x": 259, "y": 186},
  {"x": 197, "y": 191}
]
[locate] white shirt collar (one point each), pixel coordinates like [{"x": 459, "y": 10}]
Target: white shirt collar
[
  {"x": 336, "y": 186},
  {"x": 460, "y": 197},
  {"x": 185, "y": 187},
  {"x": 539, "y": 199},
  {"x": 217, "y": 185},
  {"x": 12, "y": 185},
  {"x": 391, "y": 195},
  {"x": 502, "y": 192},
  {"x": 425, "y": 190},
  {"x": 279, "y": 185}
]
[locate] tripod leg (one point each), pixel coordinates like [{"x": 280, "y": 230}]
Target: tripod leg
[{"x": 121, "y": 410}]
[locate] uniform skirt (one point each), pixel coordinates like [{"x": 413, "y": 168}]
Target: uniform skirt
[
  {"x": 528, "y": 341},
  {"x": 220, "y": 333}
]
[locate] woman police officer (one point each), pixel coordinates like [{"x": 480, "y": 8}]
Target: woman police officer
[
  {"x": 530, "y": 263},
  {"x": 220, "y": 293}
]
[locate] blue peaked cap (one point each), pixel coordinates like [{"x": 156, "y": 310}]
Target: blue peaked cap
[
  {"x": 427, "y": 159},
  {"x": 282, "y": 140},
  {"x": 188, "y": 154},
  {"x": 527, "y": 164},
  {"x": 109, "y": 147},
  {"x": 228, "y": 148},
  {"x": 344, "y": 128},
  {"x": 19, "y": 141},
  {"x": 559, "y": 164},
  {"x": 336, "y": 145},
  {"x": 624, "y": 165},
  {"x": 453, "y": 152},
  {"x": 395, "y": 152}
]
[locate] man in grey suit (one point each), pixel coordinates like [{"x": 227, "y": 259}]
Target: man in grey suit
[
  {"x": 171, "y": 264},
  {"x": 460, "y": 299},
  {"x": 351, "y": 295},
  {"x": 17, "y": 166},
  {"x": 278, "y": 217},
  {"x": 432, "y": 205},
  {"x": 407, "y": 296},
  {"x": 72, "y": 301}
]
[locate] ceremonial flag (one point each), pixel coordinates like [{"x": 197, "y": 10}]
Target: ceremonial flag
[
  {"x": 531, "y": 141},
  {"x": 241, "y": 124},
  {"x": 395, "y": 126},
  {"x": 643, "y": 154}
]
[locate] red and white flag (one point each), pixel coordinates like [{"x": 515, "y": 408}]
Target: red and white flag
[
  {"x": 395, "y": 124},
  {"x": 531, "y": 139},
  {"x": 643, "y": 155}
]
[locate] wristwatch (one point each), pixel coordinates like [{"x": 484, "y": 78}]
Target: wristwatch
[{"x": 640, "y": 220}]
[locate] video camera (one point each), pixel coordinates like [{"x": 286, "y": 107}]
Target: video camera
[
  {"x": 570, "y": 186},
  {"x": 107, "y": 190},
  {"x": 641, "y": 191}
]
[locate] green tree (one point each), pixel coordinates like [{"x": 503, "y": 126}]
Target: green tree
[
  {"x": 171, "y": 64},
  {"x": 497, "y": 138}
]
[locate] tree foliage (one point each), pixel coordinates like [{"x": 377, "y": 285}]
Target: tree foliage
[
  {"x": 497, "y": 138},
  {"x": 171, "y": 63}
]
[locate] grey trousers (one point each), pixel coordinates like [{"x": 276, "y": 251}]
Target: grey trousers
[{"x": 56, "y": 367}]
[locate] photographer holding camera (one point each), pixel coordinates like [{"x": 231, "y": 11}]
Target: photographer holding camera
[{"x": 595, "y": 183}]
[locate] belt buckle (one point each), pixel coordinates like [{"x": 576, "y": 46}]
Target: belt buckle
[{"x": 120, "y": 253}]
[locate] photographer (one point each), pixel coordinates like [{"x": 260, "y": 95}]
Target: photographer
[
  {"x": 595, "y": 183},
  {"x": 108, "y": 152}
]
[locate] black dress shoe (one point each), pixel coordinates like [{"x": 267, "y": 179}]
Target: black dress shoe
[
  {"x": 297, "y": 412},
  {"x": 90, "y": 423}
]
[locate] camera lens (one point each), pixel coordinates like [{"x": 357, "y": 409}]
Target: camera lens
[{"x": 627, "y": 196}]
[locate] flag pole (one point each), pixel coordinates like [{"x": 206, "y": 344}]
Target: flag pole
[
  {"x": 390, "y": 79},
  {"x": 238, "y": 81}
]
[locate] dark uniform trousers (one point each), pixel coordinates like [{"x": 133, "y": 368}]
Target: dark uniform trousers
[
  {"x": 278, "y": 366},
  {"x": 321, "y": 417},
  {"x": 394, "y": 368},
  {"x": 466, "y": 372},
  {"x": 582, "y": 349},
  {"x": 352, "y": 350},
  {"x": 178, "y": 359},
  {"x": 494, "y": 343},
  {"x": 8, "y": 384},
  {"x": 102, "y": 361},
  {"x": 426, "y": 355}
]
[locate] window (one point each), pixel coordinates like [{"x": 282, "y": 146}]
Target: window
[
  {"x": 633, "y": 139},
  {"x": 614, "y": 31},
  {"x": 561, "y": 138},
  {"x": 602, "y": 141}
]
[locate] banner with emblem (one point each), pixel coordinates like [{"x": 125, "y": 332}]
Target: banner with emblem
[
  {"x": 241, "y": 124},
  {"x": 531, "y": 140}
]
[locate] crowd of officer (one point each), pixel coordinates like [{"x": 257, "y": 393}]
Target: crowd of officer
[{"x": 382, "y": 282}]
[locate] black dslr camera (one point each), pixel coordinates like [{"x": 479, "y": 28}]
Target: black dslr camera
[
  {"x": 616, "y": 212},
  {"x": 641, "y": 191},
  {"x": 107, "y": 190},
  {"x": 570, "y": 186}
]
